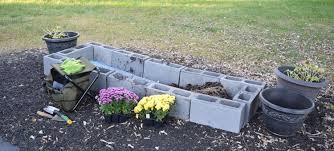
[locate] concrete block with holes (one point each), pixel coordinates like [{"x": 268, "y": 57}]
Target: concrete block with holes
[
  {"x": 101, "y": 82},
  {"x": 139, "y": 85},
  {"x": 197, "y": 77},
  {"x": 162, "y": 72},
  {"x": 181, "y": 108},
  {"x": 86, "y": 51},
  {"x": 103, "y": 54},
  {"x": 128, "y": 61},
  {"x": 217, "y": 112},
  {"x": 50, "y": 59}
]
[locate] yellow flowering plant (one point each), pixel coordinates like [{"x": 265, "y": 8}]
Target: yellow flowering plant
[{"x": 157, "y": 106}]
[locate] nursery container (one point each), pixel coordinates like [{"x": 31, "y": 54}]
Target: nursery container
[
  {"x": 309, "y": 89},
  {"x": 284, "y": 110},
  {"x": 148, "y": 122},
  {"x": 108, "y": 118},
  {"x": 158, "y": 124},
  {"x": 123, "y": 118},
  {"x": 115, "y": 118},
  {"x": 55, "y": 45}
]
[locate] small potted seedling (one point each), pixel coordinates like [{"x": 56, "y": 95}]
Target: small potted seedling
[
  {"x": 117, "y": 104},
  {"x": 153, "y": 109},
  {"x": 57, "y": 40},
  {"x": 305, "y": 78}
]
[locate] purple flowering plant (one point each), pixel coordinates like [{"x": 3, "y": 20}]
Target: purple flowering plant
[{"x": 117, "y": 100}]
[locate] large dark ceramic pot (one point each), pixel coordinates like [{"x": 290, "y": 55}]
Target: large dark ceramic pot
[
  {"x": 55, "y": 45},
  {"x": 309, "y": 89},
  {"x": 284, "y": 110}
]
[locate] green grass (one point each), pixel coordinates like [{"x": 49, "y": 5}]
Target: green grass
[{"x": 247, "y": 31}]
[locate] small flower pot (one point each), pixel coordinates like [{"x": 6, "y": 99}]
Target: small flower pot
[
  {"x": 309, "y": 89},
  {"x": 148, "y": 122},
  {"x": 55, "y": 45},
  {"x": 115, "y": 118},
  {"x": 108, "y": 118},
  {"x": 123, "y": 118},
  {"x": 284, "y": 110},
  {"x": 158, "y": 124}
]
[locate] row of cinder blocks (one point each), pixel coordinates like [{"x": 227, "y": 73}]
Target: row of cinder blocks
[{"x": 140, "y": 74}]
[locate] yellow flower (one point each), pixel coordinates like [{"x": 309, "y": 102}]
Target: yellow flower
[
  {"x": 165, "y": 107},
  {"x": 159, "y": 106},
  {"x": 138, "y": 109},
  {"x": 143, "y": 101}
]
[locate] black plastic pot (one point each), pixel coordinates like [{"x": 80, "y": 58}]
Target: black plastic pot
[
  {"x": 55, "y": 45},
  {"x": 115, "y": 118},
  {"x": 108, "y": 118},
  {"x": 123, "y": 118},
  {"x": 148, "y": 122},
  {"x": 158, "y": 124},
  {"x": 284, "y": 110},
  {"x": 309, "y": 89}
]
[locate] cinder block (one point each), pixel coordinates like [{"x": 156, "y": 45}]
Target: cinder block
[
  {"x": 218, "y": 113},
  {"x": 248, "y": 96},
  {"x": 158, "y": 88},
  {"x": 197, "y": 77},
  {"x": 166, "y": 73},
  {"x": 103, "y": 54},
  {"x": 232, "y": 84},
  {"x": 101, "y": 82},
  {"x": 50, "y": 59},
  {"x": 258, "y": 84},
  {"x": 139, "y": 86},
  {"x": 129, "y": 62},
  {"x": 181, "y": 109},
  {"x": 86, "y": 51},
  {"x": 119, "y": 79}
]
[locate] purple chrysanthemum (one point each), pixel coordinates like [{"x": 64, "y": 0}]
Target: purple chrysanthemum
[{"x": 116, "y": 94}]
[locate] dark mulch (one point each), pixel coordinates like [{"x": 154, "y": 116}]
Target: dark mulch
[
  {"x": 209, "y": 88},
  {"x": 22, "y": 95}
]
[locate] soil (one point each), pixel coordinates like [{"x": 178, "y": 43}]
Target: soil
[
  {"x": 22, "y": 95},
  {"x": 209, "y": 88}
]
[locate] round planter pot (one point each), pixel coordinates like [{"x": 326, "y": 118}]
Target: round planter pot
[
  {"x": 55, "y": 45},
  {"x": 158, "y": 124},
  {"x": 309, "y": 89},
  {"x": 108, "y": 119},
  {"x": 284, "y": 110},
  {"x": 115, "y": 118}
]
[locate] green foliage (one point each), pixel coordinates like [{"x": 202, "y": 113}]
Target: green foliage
[
  {"x": 55, "y": 33},
  {"x": 118, "y": 107},
  {"x": 107, "y": 109},
  {"x": 160, "y": 115},
  {"x": 307, "y": 71}
]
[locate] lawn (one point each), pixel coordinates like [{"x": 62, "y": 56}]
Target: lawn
[{"x": 261, "y": 32}]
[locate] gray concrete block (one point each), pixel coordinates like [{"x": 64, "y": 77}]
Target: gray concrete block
[
  {"x": 248, "y": 96},
  {"x": 119, "y": 79},
  {"x": 139, "y": 86},
  {"x": 103, "y": 54},
  {"x": 166, "y": 73},
  {"x": 258, "y": 84},
  {"x": 218, "y": 113},
  {"x": 86, "y": 51},
  {"x": 129, "y": 62},
  {"x": 232, "y": 84},
  {"x": 181, "y": 108},
  {"x": 50, "y": 59},
  {"x": 197, "y": 77},
  {"x": 101, "y": 82}
]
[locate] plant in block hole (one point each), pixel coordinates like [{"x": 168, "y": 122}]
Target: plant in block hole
[
  {"x": 153, "y": 109},
  {"x": 117, "y": 103}
]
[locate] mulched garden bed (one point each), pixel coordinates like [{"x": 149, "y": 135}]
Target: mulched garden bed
[
  {"x": 209, "y": 88},
  {"x": 22, "y": 95}
]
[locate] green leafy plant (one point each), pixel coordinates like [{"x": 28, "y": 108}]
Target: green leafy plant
[
  {"x": 307, "y": 71},
  {"x": 55, "y": 33}
]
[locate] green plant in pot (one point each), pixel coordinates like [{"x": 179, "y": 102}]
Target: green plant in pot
[
  {"x": 57, "y": 40},
  {"x": 305, "y": 78},
  {"x": 117, "y": 104}
]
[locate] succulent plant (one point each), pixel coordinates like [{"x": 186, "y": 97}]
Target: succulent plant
[{"x": 307, "y": 71}]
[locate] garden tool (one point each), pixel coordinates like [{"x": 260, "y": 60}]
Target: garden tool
[
  {"x": 54, "y": 110},
  {"x": 55, "y": 117}
]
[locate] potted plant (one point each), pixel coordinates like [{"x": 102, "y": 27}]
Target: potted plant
[
  {"x": 117, "y": 104},
  {"x": 153, "y": 109},
  {"x": 305, "y": 78},
  {"x": 57, "y": 40},
  {"x": 284, "y": 110}
]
